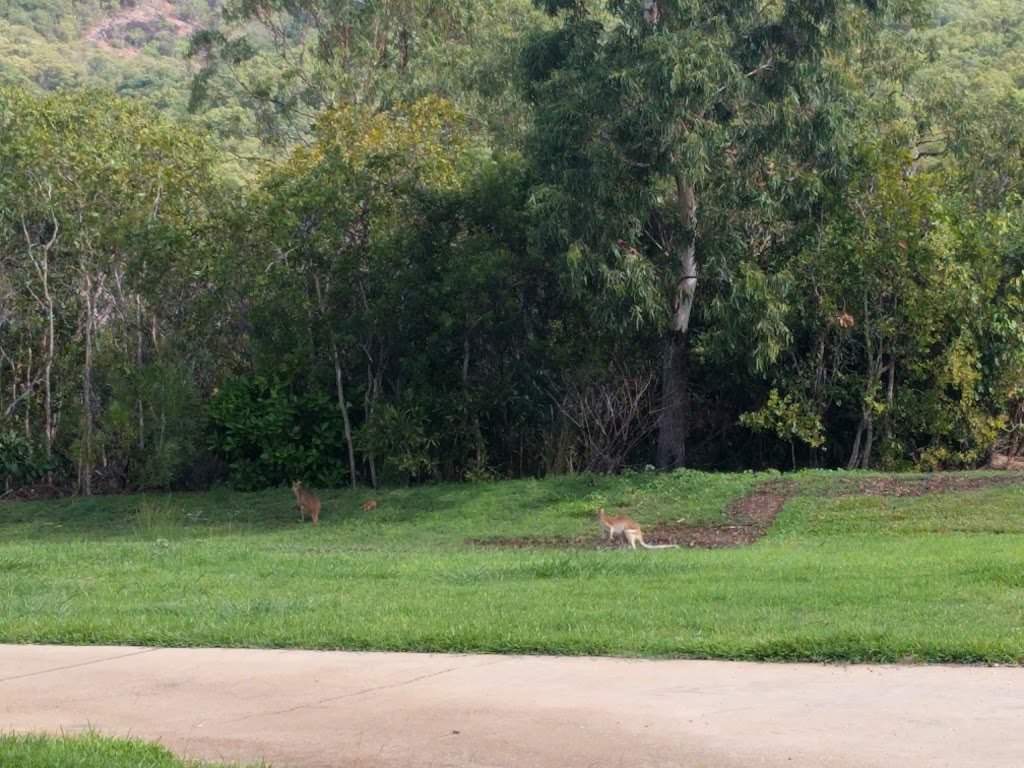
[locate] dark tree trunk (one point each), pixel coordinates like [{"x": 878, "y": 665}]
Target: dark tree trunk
[{"x": 672, "y": 417}]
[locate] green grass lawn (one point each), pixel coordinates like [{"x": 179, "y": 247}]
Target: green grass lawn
[
  {"x": 842, "y": 577},
  {"x": 89, "y": 749}
]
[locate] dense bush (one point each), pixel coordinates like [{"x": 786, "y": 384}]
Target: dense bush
[{"x": 270, "y": 436}]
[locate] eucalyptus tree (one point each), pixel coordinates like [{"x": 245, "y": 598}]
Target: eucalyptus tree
[
  {"x": 102, "y": 207},
  {"x": 679, "y": 140}
]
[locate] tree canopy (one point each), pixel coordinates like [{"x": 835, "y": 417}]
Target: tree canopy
[{"x": 397, "y": 242}]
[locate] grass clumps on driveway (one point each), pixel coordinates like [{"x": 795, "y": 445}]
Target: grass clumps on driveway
[{"x": 88, "y": 749}]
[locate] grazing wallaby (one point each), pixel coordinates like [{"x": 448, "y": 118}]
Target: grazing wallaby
[
  {"x": 371, "y": 504},
  {"x": 306, "y": 502},
  {"x": 628, "y": 528}
]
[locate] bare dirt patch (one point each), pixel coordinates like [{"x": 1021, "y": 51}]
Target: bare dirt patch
[
  {"x": 37, "y": 492},
  {"x": 918, "y": 486},
  {"x": 746, "y": 521},
  {"x": 145, "y": 20}
]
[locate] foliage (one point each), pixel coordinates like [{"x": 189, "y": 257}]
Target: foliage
[
  {"x": 132, "y": 51},
  {"x": 284, "y": 62},
  {"x": 788, "y": 419},
  {"x": 152, "y": 418},
  {"x": 743, "y": 112},
  {"x": 271, "y": 436},
  {"x": 406, "y": 285},
  {"x": 102, "y": 209},
  {"x": 399, "y": 437},
  {"x": 21, "y": 462}
]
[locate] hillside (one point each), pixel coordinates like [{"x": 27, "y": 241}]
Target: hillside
[
  {"x": 978, "y": 41},
  {"x": 154, "y": 22},
  {"x": 135, "y": 50}
]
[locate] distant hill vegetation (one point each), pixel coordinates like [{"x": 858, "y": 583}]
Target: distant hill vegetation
[
  {"x": 135, "y": 49},
  {"x": 160, "y": 24},
  {"x": 979, "y": 40}
]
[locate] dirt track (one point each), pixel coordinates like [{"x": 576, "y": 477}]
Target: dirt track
[{"x": 317, "y": 709}]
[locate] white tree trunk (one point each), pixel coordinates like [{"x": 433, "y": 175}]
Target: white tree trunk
[
  {"x": 85, "y": 458},
  {"x": 686, "y": 287},
  {"x": 339, "y": 385},
  {"x": 42, "y": 267}
]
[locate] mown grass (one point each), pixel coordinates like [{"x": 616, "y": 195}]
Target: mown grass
[
  {"x": 853, "y": 578},
  {"x": 435, "y": 515},
  {"x": 86, "y": 750}
]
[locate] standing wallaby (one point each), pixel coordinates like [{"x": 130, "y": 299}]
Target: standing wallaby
[
  {"x": 628, "y": 528},
  {"x": 371, "y": 504},
  {"x": 306, "y": 502}
]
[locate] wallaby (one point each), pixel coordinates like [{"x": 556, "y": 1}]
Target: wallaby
[
  {"x": 371, "y": 504},
  {"x": 306, "y": 502},
  {"x": 628, "y": 528}
]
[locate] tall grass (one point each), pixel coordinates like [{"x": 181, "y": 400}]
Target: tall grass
[{"x": 159, "y": 520}]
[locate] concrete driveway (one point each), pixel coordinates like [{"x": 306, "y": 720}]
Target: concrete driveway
[{"x": 313, "y": 709}]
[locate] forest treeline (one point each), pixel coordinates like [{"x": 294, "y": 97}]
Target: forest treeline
[{"x": 490, "y": 240}]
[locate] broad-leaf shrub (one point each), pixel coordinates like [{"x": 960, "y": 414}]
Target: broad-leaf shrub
[
  {"x": 20, "y": 461},
  {"x": 269, "y": 435}
]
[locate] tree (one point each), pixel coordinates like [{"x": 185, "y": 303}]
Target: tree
[
  {"x": 337, "y": 220},
  {"x": 101, "y": 205},
  {"x": 670, "y": 128}
]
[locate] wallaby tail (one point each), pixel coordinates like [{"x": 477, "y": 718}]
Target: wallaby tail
[{"x": 645, "y": 545}]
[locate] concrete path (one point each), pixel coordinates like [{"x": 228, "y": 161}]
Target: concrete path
[{"x": 314, "y": 709}]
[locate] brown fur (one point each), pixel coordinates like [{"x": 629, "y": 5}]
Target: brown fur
[
  {"x": 628, "y": 529},
  {"x": 307, "y": 503},
  {"x": 371, "y": 504}
]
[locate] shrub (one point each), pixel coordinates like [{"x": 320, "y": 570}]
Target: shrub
[{"x": 270, "y": 435}]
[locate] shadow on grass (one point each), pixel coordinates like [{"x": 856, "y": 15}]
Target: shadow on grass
[
  {"x": 148, "y": 517},
  {"x": 430, "y": 514},
  {"x": 225, "y": 512}
]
